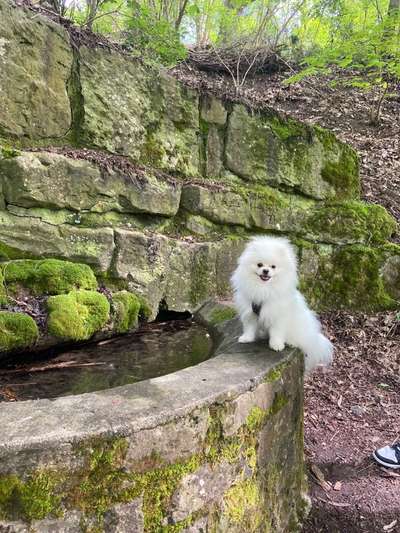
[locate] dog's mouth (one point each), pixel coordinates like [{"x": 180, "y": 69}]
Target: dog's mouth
[{"x": 264, "y": 277}]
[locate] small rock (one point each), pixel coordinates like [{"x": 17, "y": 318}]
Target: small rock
[
  {"x": 125, "y": 517},
  {"x": 357, "y": 410}
]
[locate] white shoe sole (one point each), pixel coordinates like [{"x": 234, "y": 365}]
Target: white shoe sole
[{"x": 388, "y": 465}]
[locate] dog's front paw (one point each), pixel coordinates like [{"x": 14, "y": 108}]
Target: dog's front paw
[
  {"x": 276, "y": 344},
  {"x": 246, "y": 338}
]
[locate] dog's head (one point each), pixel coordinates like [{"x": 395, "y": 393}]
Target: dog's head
[{"x": 269, "y": 261}]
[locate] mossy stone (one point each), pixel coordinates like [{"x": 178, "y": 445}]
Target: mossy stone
[
  {"x": 25, "y": 236},
  {"x": 17, "y": 330},
  {"x": 36, "y": 59},
  {"x": 340, "y": 165},
  {"x": 55, "y": 181},
  {"x": 222, "y": 314},
  {"x": 77, "y": 315},
  {"x": 241, "y": 505},
  {"x": 48, "y": 276},
  {"x": 266, "y": 148},
  {"x": 345, "y": 277},
  {"x": 126, "y": 307},
  {"x": 138, "y": 111},
  {"x": 350, "y": 222}
]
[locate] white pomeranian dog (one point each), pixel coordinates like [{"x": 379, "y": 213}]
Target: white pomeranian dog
[{"x": 267, "y": 299}]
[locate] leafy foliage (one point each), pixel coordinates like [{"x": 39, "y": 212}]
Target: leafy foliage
[
  {"x": 358, "y": 36},
  {"x": 156, "y": 39},
  {"x": 363, "y": 43}
]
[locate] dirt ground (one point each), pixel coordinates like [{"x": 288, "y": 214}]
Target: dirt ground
[
  {"x": 350, "y": 410},
  {"x": 355, "y": 406}
]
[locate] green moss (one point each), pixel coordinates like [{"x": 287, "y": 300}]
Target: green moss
[
  {"x": 258, "y": 417},
  {"x": 350, "y": 278},
  {"x": 48, "y": 276},
  {"x": 288, "y": 128},
  {"x": 276, "y": 373},
  {"x": 77, "y": 315},
  {"x": 352, "y": 221},
  {"x": 145, "y": 311},
  {"x": 17, "y": 330},
  {"x": 7, "y": 151},
  {"x": 341, "y": 167},
  {"x": 242, "y": 505},
  {"x": 103, "y": 482},
  {"x": 152, "y": 151},
  {"x": 126, "y": 306},
  {"x": 158, "y": 487},
  {"x": 100, "y": 483},
  {"x": 222, "y": 314},
  {"x": 218, "y": 447},
  {"x": 200, "y": 273},
  {"x": 269, "y": 196},
  {"x": 32, "y": 499}
]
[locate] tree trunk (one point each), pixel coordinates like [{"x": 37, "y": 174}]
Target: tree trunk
[{"x": 394, "y": 7}]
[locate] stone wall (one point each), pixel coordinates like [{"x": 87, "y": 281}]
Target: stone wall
[
  {"x": 186, "y": 452},
  {"x": 114, "y": 164}
]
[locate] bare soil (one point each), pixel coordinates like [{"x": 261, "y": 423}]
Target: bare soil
[{"x": 351, "y": 410}]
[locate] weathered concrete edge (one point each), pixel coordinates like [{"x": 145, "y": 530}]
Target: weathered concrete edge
[{"x": 46, "y": 424}]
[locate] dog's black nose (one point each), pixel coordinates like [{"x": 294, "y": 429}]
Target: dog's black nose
[{"x": 265, "y": 271}]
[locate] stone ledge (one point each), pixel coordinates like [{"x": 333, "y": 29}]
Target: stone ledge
[{"x": 57, "y": 449}]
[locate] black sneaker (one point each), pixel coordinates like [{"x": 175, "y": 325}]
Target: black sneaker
[{"x": 388, "y": 456}]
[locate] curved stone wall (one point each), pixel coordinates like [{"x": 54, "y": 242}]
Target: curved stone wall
[{"x": 216, "y": 445}]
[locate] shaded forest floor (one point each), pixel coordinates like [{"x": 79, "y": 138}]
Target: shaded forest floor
[
  {"x": 354, "y": 407},
  {"x": 350, "y": 410}
]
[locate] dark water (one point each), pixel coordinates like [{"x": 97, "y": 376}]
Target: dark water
[{"x": 155, "y": 350}]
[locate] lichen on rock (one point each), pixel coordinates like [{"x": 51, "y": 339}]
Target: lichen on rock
[
  {"x": 17, "y": 331},
  {"x": 56, "y": 181},
  {"x": 35, "y": 66},
  {"x": 77, "y": 315}
]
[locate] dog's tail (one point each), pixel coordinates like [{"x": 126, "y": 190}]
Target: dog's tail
[{"x": 319, "y": 352}]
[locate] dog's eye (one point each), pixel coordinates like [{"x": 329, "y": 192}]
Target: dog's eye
[
  {"x": 273, "y": 266},
  {"x": 259, "y": 265}
]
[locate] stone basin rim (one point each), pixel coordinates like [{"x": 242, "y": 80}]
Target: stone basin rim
[{"x": 121, "y": 411}]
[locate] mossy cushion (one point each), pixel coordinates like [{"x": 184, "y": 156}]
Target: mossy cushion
[
  {"x": 17, "y": 330},
  {"x": 77, "y": 315},
  {"x": 48, "y": 276},
  {"x": 126, "y": 307}
]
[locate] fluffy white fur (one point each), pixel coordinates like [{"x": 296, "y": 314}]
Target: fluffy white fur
[{"x": 266, "y": 276}]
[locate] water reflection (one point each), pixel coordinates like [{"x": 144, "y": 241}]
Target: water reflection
[{"x": 155, "y": 350}]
